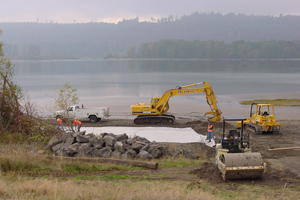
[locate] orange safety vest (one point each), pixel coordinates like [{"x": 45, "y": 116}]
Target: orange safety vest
[
  {"x": 77, "y": 122},
  {"x": 210, "y": 128},
  {"x": 59, "y": 121}
]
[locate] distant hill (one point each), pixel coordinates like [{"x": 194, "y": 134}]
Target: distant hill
[{"x": 97, "y": 40}]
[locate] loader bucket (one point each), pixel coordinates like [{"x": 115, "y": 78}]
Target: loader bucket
[{"x": 242, "y": 166}]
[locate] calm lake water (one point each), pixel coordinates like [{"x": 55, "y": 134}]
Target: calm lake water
[{"x": 103, "y": 81}]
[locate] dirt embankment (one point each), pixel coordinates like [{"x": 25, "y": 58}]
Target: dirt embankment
[{"x": 283, "y": 166}]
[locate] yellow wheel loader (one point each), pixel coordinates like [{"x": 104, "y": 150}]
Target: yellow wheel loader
[
  {"x": 155, "y": 112},
  {"x": 234, "y": 157},
  {"x": 262, "y": 119}
]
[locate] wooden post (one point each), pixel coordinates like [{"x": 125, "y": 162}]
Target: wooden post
[{"x": 286, "y": 148}]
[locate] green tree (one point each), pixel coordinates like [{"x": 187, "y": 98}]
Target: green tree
[
  {"x": 10, "y": 95},
  {"x": 18, "y": 122},
  {"x": 67, "y": 96}
]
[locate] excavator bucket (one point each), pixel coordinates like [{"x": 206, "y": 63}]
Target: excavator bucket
[{"x": 241, "y": 166}]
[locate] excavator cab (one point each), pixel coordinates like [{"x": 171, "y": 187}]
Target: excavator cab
[
  {"x": 163, "y": 108},
  {"x": 154, "y": 101}
]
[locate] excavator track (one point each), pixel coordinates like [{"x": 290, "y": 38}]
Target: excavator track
[
  {"x": 259, "y": 130},
  {"x": 150, "y": 119},
  {"x": 253, "y": 128},
  {"x": 276, "y": 129}
]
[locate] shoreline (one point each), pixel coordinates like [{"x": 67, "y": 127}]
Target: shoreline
[{"x": 195, "y": 108}]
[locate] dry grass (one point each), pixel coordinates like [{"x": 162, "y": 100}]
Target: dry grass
[
  {"x": 51, "y": 188},
  {"x": 22, "y": 188},
  {"x": 17, "y": 164}
]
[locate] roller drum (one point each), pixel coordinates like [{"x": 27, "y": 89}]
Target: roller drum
[{"x": 242, "y": 166}]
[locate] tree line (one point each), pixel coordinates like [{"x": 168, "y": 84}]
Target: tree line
[
  {"x": 218, "y": 49},
  {"x": 97, "y": 40}
]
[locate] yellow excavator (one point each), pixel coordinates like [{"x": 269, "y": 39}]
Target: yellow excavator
[
  {"x": 262, "y": 119},
  {"x": 234, "y": 157},
  {"x": 155, "y": 113}
]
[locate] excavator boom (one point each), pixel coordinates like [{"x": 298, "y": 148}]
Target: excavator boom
[{"x": 156, "y": 111}]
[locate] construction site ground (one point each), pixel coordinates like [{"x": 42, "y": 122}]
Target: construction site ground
[{"x": 282, "y": 166}]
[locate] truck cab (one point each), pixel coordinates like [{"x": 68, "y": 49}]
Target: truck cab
[{"x": 72, "y": 110}]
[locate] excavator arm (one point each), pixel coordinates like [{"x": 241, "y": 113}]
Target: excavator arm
[{"x": 160, "y": 105}]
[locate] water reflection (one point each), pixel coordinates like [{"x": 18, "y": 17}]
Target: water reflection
[{"x": 133, "y": 79}]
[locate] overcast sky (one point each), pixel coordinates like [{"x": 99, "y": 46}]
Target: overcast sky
[{"x": 70, "y": 11}]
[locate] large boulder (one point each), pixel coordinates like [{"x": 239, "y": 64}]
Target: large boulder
[
  {"x": 53, "y": 141},
  {"x": 119, "y": 147},
  {"x": 137, "y": 146},
  {"x": 96, "y": 142},
  {"x": 155, "y": 152},
  {"x": 145, "y": 155},
  {"x": 122, "y": 137},
  {"x": 109, "y": 140},
  {"x": 82, "y": 139},
  {"x": 57, "y": 147},
  {"x": 73, "y": 149},
  {"x": 84, "y": 149},
  {"x": 130, "y": 154},
  {"x": 105, "y": 152}
]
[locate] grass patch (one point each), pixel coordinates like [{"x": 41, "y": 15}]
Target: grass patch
[
  {"x": 178, "y": 162},
  {"x": 275, "y": 102},
  {"x": 78, "y": 167},
  {"x": 107, "y": 177},
  {"x": 18, "y": 166}
]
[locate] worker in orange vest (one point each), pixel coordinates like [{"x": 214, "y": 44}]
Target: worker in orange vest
[
  {"x": 210, "y": 131},
  {"x": 77, "y": 124},
  {"x": 59, "y": 122}
]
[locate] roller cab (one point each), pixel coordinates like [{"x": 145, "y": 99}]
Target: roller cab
[{"x": 234, "y": 157}]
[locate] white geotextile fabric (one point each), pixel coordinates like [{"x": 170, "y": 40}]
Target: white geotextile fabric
[{"x": 157, "y": 134}]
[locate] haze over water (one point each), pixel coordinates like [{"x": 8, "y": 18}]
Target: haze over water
[{"x": 103, "y": 82}]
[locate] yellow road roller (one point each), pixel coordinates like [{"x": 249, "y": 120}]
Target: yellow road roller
[{"x": 234, "y": 157}]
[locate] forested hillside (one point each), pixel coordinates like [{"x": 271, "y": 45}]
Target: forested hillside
[
  {"x": 128, "y": 37},
  {"x": 210, "y": 49}
]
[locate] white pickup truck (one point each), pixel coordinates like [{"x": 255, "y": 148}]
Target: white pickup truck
[{"x": 94, "y": 114}]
